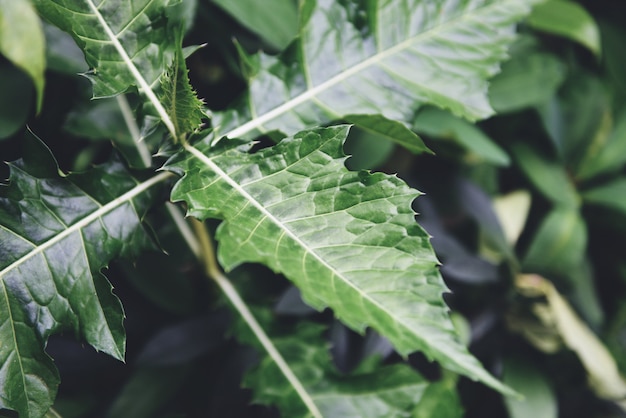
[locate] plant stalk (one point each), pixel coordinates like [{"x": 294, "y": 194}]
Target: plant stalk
[{"x": 213, "y": 270}]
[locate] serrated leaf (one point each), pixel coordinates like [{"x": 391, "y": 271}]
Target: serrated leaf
[
  {"x": 409, "y": 53},
  {"x": 22, "y": 41},
  {"x": 178, "y": 97},
  {"x": 390, "y": 391},
  {"x": 348, "y": 240},
  {"x": 103, "y": 29},
  {"x": 56, "y": 234}
]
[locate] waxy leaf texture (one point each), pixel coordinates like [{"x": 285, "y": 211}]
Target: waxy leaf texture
[
  {"x": 348, "y": 240},
  {"x": 402, "y": 55},
  {"x": 56, "y": 234}
]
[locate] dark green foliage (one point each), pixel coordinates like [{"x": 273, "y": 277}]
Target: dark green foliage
[{"x": 508, "y": 116}]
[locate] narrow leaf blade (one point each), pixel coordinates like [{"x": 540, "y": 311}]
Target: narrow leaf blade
[{"x": 348, "y": 240}]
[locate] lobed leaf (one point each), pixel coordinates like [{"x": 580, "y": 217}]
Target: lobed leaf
[
  {"x": 56, "y": 234},
  {"x": 408, "y": 53},
  {"x": 348, "y": 240}
]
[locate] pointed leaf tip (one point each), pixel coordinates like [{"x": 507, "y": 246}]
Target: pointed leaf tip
[
  {"x": 56, "y": 233},
  {"x": 348, "y": 240}
]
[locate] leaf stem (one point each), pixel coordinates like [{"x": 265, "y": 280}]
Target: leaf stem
[
  {"x": 184, "y": 229},
  {"x": 214, "y": 272},
  {"x": 131, "y": 124}
]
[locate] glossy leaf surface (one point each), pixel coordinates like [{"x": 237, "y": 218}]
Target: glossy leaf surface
[
  {"x": 56, "y": 234},
  {"x": 348, "y": 240},
  {"x": 102, "y": 28},
  {"x": 398, "y": 56}
]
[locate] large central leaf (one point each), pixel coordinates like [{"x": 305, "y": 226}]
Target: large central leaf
[
  {"x": 348, "y": 240},
  {"x": 389, "y": 58},
  {"x": 56, "y": 234}
]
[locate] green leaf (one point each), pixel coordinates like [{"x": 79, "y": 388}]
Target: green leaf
[
  {"x": 62, "y": 53},
  {"x": 440, "y": 400},
  {"x": 104, "y": 29},
  {"x": 390, "y": 130},
  {"x": 576, "y": 115},
  {"x": 549, "y": 177},
  {"x": 568, "y": 19},
  {"x": 22, "y": 41},
  {"x": 608, "y": 151},
  {"x": 15, "y": 100},
  {"x": 276, "y": 21},
  {"x": 348, "y": 240},
  {"x": 56, "y": 234},
  {"x": 178, "y": 97},
  {"x": 366, "y": 150},
  {"x": 559, "y": 245},
  {"x": 390, "y": 391},
  {"x": 539, "y": 397},
  {"x": 441, "y": 124},
  {"x": 529, "y": 78},
  {"x": 410, "y": 53},
  {"x": 610, "y": 195}
]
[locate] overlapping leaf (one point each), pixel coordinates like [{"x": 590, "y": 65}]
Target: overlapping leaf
[
  {"x": 348, "y": 240},
  {"x": 105, "y": 28},
  {"x": 56, "y": 234},
  {"x": 407, "y": 53},
  {"x": 390, "y": 391}
]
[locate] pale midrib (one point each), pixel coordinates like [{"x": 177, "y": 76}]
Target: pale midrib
[
  {"x": 442, "y": 353},
  {"x": 331, "y": 82},
  {"x": 239, "y": 189},
  {"x": 140, "y": 188},
  {"x": 143, "y": 84}
]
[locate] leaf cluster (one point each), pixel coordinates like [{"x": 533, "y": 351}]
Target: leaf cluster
[{"x": 255, "y": 205}]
